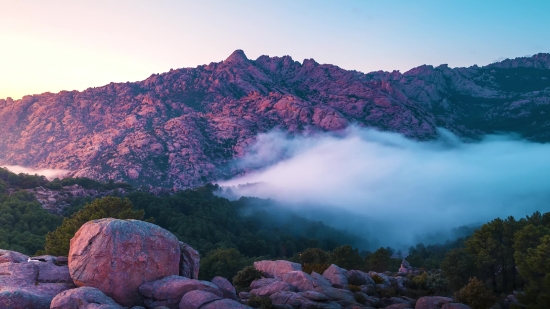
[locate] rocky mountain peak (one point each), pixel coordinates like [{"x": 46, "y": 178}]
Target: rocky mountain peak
[
  {"x": 187, "y": 126},
  {"x": 237, "y": 56}
]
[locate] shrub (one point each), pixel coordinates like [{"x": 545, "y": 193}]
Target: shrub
[
  {"x": 420, "y": 281},
  {"x": 360, "y": 298},
  {"x": 377, "y": 279},
  {"x": 314, "y": 256},
  {"x": 244, "y": 278},
  {"x": 260, "y": 302},
  {"x": 413, "y": 293},
  {"x": 389, "y": 292},
  {"x": 476, "y": 295},
  {"x": 224, "y": 262},
  {"x": 354, "y": 288},
  {"x": 318, "y": 268},
  {"x": 436, "y": 284}
]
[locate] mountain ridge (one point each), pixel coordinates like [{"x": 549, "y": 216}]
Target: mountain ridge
[{"x": 184, "y": 127}]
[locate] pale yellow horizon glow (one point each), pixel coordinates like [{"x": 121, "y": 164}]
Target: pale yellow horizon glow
[{"x": 54, "y": 45}]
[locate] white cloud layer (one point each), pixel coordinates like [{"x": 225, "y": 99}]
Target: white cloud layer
[
  {"x": 397, "y": 188},
  {"x": 49, "y": 173}
]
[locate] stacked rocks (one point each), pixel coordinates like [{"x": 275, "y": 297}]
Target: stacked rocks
[{"x": 116, "y": 264}]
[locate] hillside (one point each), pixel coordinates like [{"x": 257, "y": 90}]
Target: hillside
[{"x": 183, "y": 128}]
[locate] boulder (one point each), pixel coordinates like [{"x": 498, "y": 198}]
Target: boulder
[
  {"x": 455, "y": 306},
  {"x": 297, "y": 300},
  {"x": 277, "y": 286},
  {"x": 227, "y": 289},
  {"x": 117, "y": 256},
  {"x": 83, "y": 298},
  {"x": 338, "y": 277},
  {"x": 335, "y": 294},
  {"x": 357, "y": 277},
  {"x": 29, "y": 283},
  {"x": 196, "y": 299},
  {"x": 400, "y": 306},
  {"x": 369, "y": 289},
  {"x": 225, "y": 304},
  {"x": 7, "y": 256},
  {"x": 299, "y": 280},
  {"x": 276, "y": 269},
  {"x": 319, "y": 280},
  {"x": 258, "y": 283},
  {"x": 432, "y": 302},
  {"x": 405, "y": 267},
  {"x": 189, "y": 261},
  {"x": 169, "y": 291},
  {"x": 313, "y": 295}
]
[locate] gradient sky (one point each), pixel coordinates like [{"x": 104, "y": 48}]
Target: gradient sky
[{"x": 74, "y": 44}]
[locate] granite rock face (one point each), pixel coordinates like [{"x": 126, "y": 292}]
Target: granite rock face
[
  {"x": 183, "y": 128},
  {"x": 117, "y": 256},
  {"x": 277, "y": 269},
  {"x": 83, "y": 298},
  {"x": 168, "y": 291}
]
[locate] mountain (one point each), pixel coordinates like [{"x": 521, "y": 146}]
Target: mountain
[{"x": 184, "y": 127}]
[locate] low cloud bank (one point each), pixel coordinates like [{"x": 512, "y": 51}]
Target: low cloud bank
[
  {"x": 48, "y": 173},
  {"x": 387, "y": 187}
]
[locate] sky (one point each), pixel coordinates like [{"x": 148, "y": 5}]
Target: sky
[{"x": 49, "y": 46}]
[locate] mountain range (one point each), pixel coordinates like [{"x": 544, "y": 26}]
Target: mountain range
[{"x": 186, "y": 127}]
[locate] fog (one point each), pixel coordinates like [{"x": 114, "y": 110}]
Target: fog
[
  {"x": 394, "y": 190},
  {"x": 48, "y": 173}
]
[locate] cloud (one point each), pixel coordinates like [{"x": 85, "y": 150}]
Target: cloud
[
  {"x": 49, "y": 173},
  {"x": 393, "y": 188}
]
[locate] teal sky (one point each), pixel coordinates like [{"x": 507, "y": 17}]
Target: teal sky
[{"x": 60, "y": 44}]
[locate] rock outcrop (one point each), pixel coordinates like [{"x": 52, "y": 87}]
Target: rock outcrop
[
  {"x": 83, "y": 298},
  {"x": 168, "y": 291},
  {"x": 31, "y": 282},
  {"x": 117, "y": 256},
  {"x": 189, "y": 261},
  {"x": 183, "y": 128},
  {"x": 43, "y": 282},
  {"x": 277, "y": 269}
]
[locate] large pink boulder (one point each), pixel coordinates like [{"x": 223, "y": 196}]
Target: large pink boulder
[
  {"x": 117, "y": 256},
  {"x": 83, "y": 298},
  {"x": 277, "y": 269}
]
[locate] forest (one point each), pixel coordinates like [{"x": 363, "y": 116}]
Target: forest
[{"x": 502, "y": 256}]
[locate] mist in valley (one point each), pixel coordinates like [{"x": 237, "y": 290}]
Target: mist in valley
[{"x": 393, "y": 191}]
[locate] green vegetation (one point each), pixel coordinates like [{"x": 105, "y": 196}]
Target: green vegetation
[
  {"x": 476, "y": 295},
  {"x": 502, "y": 255},
  {"x": 23, "y": 222},
  {"x": 244, "y": 278},
  {"x": 58, "y": 241}
]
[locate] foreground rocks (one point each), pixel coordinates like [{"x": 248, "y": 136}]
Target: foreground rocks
[
  {"x": 31, "y": 282},
  {"x": 83, "y": 298},
  {"x": 290, "y": 288},
  {"x": 133, "y": 264},
  {"x": 117, "y": 256}
]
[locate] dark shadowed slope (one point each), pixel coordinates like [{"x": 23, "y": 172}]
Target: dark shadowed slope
[{"x": 181, "y": 128}]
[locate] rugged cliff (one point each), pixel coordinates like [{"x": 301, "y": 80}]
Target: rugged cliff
[{"x": 183, "y": 128}]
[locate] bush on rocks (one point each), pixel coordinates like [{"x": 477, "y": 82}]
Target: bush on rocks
[
  {"x": 318, "y": 268},
  {"x": 260, "y": 302},
  {"x": 244, "y": 278}
]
